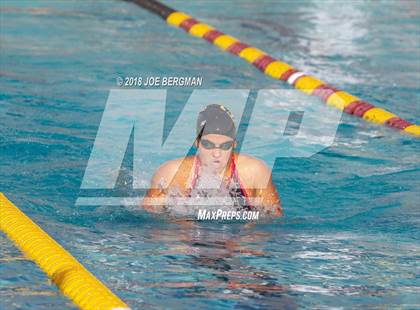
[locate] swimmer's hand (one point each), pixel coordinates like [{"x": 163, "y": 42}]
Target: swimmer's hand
[
  {"x": 155, "y": 198},
  {"x": 153, "y": 208},
  {"x": 154, "y": 201}
]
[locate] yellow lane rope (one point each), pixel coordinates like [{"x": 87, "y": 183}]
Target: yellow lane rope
[{"x": 74, "y": 280}]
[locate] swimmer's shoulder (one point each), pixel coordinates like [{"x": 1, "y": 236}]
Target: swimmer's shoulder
[
  {"x": 172, "y": 169},
  {"x": 252, "y": 169},
  {"x": 249, "y": 163}
]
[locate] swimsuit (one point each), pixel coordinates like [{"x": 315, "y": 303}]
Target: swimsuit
[{"x": 234, "y": 185}]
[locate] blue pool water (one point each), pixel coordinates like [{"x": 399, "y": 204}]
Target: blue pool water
[{"x": 349, "y": 239}]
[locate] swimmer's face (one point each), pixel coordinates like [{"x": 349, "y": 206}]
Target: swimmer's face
[{"x": 215, "y": 150}]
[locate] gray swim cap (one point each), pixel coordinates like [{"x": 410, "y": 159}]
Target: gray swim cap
[{"x": 216, "y": 119}]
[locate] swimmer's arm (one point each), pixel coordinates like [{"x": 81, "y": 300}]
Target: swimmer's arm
[
  {"x": 266, "y": 191},
  {"x": 155, "y": 198}
]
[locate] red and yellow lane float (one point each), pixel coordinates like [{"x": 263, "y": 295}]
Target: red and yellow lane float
[
  {"x": 280, "y": 70},
  {"x": 71, "y": 277}
]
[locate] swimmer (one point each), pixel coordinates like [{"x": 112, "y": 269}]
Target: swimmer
[{"x": 245, "y": 179}]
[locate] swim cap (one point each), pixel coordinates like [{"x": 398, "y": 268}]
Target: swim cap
[{"x": 215, "y": 119}]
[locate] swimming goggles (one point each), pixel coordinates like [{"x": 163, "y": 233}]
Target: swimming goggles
[{"x": 210, "y": 145}]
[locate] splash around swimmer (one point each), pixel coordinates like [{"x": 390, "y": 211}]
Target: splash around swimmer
[{"x": 216, "y": 177}]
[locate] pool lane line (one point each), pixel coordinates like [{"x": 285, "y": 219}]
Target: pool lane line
[
  {"x": 280, "y": 70},
  {"x": 71, "y": 277}
]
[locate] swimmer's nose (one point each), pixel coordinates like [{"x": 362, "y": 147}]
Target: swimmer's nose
[{"x": 216, "y": 153}]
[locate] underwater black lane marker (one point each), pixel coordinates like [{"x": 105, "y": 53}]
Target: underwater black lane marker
[{"x": 280, "y": 70}]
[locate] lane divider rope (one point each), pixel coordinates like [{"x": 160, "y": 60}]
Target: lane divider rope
[
  {"x": 71, "y": 277},
  {"x": 280, "y": 70}
]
